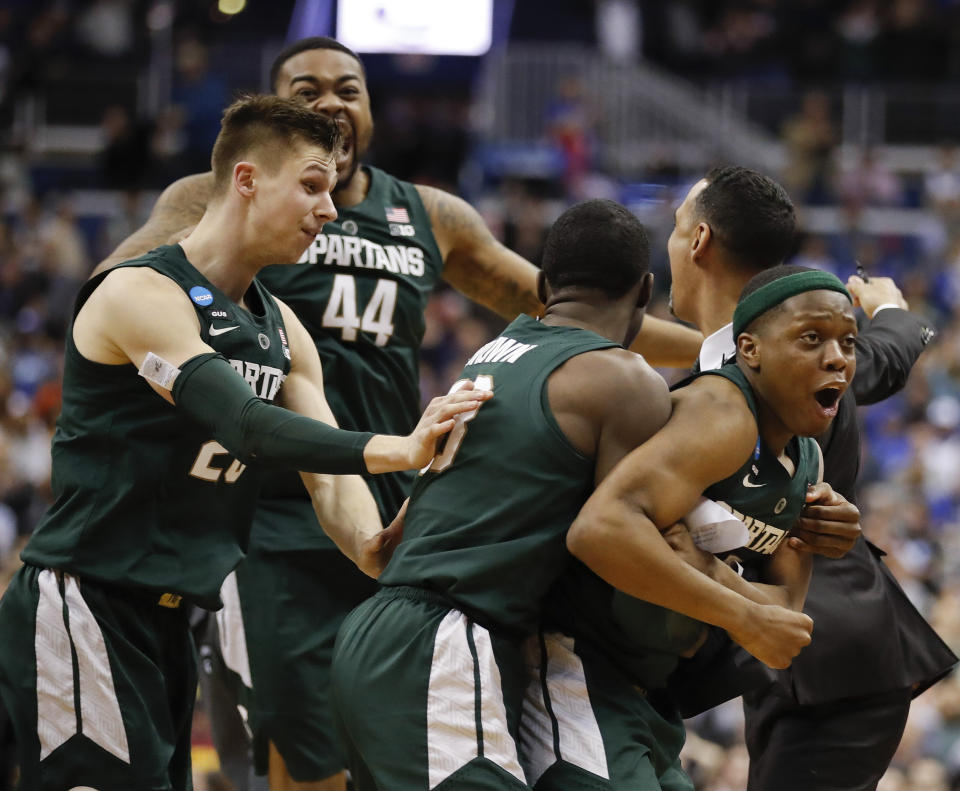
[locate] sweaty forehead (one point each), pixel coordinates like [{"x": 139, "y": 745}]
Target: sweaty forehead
[{"x": 318, "y": 64}]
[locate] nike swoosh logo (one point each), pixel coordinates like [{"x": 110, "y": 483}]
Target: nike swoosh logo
[
  {"x": 221, "y": 330},
  {"x": 746, "y": 482}
]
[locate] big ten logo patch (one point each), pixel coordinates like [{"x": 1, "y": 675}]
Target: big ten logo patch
[{"x": 402, "y": 229}]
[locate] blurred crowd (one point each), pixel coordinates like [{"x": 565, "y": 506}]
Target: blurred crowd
[
  {"x": 910, "y": 482},
  {"x": 804, "y": 41}
]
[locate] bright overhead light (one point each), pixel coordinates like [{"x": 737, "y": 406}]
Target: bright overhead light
[{"x": 231, "y": 7}]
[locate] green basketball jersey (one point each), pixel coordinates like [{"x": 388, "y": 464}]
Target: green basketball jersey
[
  {"x": 488, "y": 518},
  {"x": 144, "y": 496},
  {"x": 762, "y": 493},
  {"x": 361, "y": 290},
  {"x": 644, "y": 639}
]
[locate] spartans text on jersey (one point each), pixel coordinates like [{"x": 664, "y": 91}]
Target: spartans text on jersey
[{"x": 364, "y": 254}]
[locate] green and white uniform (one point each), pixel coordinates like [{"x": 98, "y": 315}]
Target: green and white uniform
[
  {"x": 596, "y": 717},
  {"x": 435, "y": 658},
  {"x": 360, "y": 290},
  {"x": 149, "y": 509}
]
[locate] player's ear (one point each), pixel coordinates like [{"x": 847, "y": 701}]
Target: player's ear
[
  {"x": 542, "y": 287},
  {"x": 244, "y": 180},
  {"x": 702, "y": 236},
  {"x": 748, "y": 350},
  {"x": 646, "y": 290}
]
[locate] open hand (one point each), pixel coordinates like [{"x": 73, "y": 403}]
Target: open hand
[{"x": 440, "y": 417}]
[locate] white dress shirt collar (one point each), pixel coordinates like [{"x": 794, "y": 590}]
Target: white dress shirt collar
[{"x": 716, "y": 348}]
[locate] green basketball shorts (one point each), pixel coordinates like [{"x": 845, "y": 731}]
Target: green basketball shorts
[
  {"x": 277, "y": 631},
  {"x": 425, "y": 697},
  {"x": 586, "y": 726},
  {"x": 99, "y": 682}
]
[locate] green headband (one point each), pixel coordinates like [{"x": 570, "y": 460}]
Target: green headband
[{"x": 780, "y": 290}]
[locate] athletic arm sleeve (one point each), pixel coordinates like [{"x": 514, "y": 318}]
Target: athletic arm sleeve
[{"x": 211, "y": 392}]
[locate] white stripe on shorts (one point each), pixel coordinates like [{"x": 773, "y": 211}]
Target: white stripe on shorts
[
  {"x": 498, "y": 744},
  {"x": 102, "y": 722},
  {"x": 536, "y": 726},
  {"x": 233, "y": 638},
  {"x": 452, "y": 740},
  {"x": 56, "y": 715},
  {"x": 580, "y": 741}
]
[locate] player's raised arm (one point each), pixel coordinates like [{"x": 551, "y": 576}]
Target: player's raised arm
[
  {"x": 479, "y": 266},
  {"x": 475, "y": 263},
  {"x": 178, "y": 208}
]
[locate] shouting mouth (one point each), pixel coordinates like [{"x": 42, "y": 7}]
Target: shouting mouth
[
  {"x": 829, "y": 400},
  {"x": 345, "y": 155}
]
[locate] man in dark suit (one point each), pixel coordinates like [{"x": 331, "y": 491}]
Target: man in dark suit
[{"x": 833, "y": 720}]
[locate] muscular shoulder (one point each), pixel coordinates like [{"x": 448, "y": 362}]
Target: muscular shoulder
[
  {"x": 615, "y": 370},
  {"x": 132, "y": 310},
  {"x": 153, "y": 289},
  {"x": 609, "y": 391},
  {"x": 716, "y": 403}
]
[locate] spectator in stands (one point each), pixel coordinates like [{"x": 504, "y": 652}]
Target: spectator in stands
[
  {"x": 941, "y": 185},
  {"x": 201, "y": 95},
  {"x": 125, "y": 158},
  {"x": 810, "y": 138},
  {"x": 869, "y": 182}
]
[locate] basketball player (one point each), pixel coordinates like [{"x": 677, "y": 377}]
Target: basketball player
[{"x": 173, "y": 361}]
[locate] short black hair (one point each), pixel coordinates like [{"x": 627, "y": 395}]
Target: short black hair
[
  {"x": 596, "y": 244},
  {"x": 750, "y": 214},
  {"x": 302, "y": 45}
]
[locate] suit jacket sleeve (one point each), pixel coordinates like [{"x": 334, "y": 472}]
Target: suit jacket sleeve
[{"x": 887, "y": 348}]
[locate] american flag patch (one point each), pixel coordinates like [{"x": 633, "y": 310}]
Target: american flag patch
[{"x": 397, "y": 214}]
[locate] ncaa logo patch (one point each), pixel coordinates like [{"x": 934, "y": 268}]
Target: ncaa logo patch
[
  {"x": 780, "y": 505},
  {"x": 201, "y": 296},
  {"x": 264, "y": 341},
  {"x": 349, "y": 226}
]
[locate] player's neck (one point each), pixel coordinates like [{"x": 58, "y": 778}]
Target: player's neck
[
  {"x": 217, "y": 249},
  {"x": 354, "y": 191},
  {"x": 715, "y": 306},
  {"x": 604, "y": 319},
  {"x": 774, "y": 431}
]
